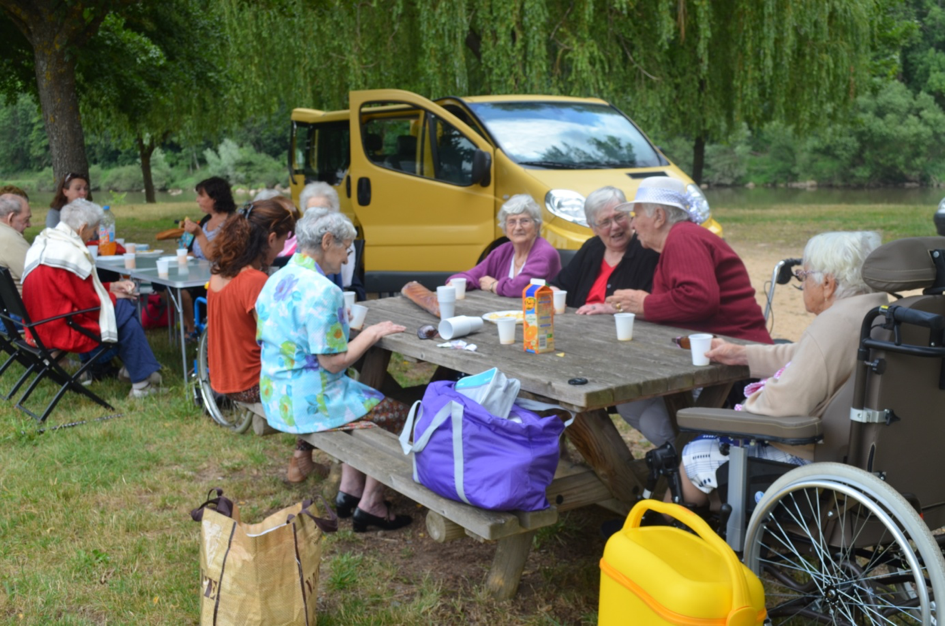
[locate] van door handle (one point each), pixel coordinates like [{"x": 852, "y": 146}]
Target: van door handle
[
  {"x": 348, "y": 185},
  {"x": 364, "y": 191}
]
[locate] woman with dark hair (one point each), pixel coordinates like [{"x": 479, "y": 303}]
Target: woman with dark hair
[
  {"x": 216, "y": 200},
  {"x": 247, "y": 244},
  {"x": 71, "y": 187}
]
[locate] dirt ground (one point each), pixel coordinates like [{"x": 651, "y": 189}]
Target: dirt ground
[{"x": 789, "y": 319}]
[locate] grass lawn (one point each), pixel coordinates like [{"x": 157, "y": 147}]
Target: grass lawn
[{"x": 94, "y": 523}]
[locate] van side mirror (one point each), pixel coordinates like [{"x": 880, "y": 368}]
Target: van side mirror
[{"x": 481, "y": 168}]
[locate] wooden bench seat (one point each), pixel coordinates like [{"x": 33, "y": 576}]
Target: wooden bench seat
[{"x": 377, "y": 453}]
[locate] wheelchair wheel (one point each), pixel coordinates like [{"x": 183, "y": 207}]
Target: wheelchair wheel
[
  {"x": 835, "y": 544},
  {"x": 224, "y": 411}
]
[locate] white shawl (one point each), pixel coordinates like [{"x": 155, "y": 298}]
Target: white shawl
[{"x": 62, "y": 248}]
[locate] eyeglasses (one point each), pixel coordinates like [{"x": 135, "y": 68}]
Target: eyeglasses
[
  {"x": 427, "y": 331},
  {"x": 525, "y": 221},
  {"x": 683, "y": 342},
  {"x": 618, "y": 218},
  {"x": 802, "y": 275}
]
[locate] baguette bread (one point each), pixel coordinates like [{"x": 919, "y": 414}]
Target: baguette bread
[
  {"x": 170, "y": 233},
  {"x": 422, "y": 297}
]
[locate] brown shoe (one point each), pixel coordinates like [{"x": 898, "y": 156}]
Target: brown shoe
[{"x": 301, "y": 466}]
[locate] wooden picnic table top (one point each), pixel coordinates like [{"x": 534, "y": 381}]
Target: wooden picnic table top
[{"x": 586, "y": 346}]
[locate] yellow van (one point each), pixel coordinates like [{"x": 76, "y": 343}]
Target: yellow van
[{"x": 423, "y": 180}]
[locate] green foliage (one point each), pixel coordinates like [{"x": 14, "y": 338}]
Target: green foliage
[
  {"x": 243, "y": 165},
  {"x": 24, "y": 145}
]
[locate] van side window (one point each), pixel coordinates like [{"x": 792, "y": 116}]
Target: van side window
[
  {"x": 452, "y": 153},
  {"x": 391, "y": 141},
  {"x": 323, "y": 151}
]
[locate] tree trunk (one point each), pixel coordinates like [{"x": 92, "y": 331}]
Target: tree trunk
[
  {"x": 145, "y": 150},
  {"x": 698, "y": 159},
  {"x": 55, "y": 81}
]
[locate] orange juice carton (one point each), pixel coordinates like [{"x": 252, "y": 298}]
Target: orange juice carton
[{"x": 538, "y": 308}]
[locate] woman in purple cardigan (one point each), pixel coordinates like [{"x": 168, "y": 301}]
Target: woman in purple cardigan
[{"x": 508, "y": 269}]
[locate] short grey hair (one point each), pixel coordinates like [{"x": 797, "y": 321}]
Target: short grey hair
[
  {"x": 310, "y": 230},
  {"x": 518, "y": 204},
  {"x": 600, "y": 199},
  {"x": 267, "y": 194},
  {"x": 11, "y": 203},
  {"x": 841, "y": 255},
  {"x": 80, "y": 211},
  {"x": 319, "y": 190},
  {"x": 674, "y": 215}
]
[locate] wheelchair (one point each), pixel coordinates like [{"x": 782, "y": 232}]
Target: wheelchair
[
  {"x": 228, "y": 413},
  {"x": 856, "y": 536}
]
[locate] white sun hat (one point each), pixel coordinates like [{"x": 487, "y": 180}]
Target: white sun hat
[{"x": 669, "y": 191}]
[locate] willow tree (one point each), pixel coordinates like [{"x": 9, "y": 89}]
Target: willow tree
[{"x": 691, "y": 67}]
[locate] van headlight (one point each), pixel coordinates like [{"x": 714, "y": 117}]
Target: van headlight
[
  {"x": 698, "y": 205},
  {"x": 566, "y": 204}
]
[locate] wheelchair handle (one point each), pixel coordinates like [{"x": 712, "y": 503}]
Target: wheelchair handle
[
  {"x": 742, "y": 612},
  {"x": 903, "y": 315}
]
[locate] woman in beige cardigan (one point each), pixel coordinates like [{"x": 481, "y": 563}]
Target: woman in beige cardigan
[{"x": 800, "y": 378}]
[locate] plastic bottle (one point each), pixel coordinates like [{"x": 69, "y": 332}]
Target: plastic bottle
[{"x": 106, "y": 234}]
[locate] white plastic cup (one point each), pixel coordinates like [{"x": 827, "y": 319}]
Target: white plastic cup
[
  {"x": 350, "y": 298},
  {"x": 93, "y": 250},
  {"x": 131, "y": 247},
  {"x": 700, "y": 344},
  {"x": 446, "y": 297},
  {"x": 561, "y": 301},
  {"x": 130, "y": 261},
  {"x": 182, "y": 256},
  {"x": 447, "y": 310},
  {"x": 358, "y": 313},
  {"x": 459, "y": 326},
  {"x": 506, "y": 327},
  {"x": 460, "y": 285},
  {"x": 624, "y": 326},
  {"x": 163, "y": 267}
]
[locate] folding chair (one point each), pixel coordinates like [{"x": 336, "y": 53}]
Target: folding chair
[{"x": 41, "y": 362}]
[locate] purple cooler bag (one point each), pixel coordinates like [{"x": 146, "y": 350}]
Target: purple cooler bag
[{"x": 463, "y": 452}]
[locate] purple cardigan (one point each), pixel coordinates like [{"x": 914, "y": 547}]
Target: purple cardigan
[{"x": 543, "y": 262}]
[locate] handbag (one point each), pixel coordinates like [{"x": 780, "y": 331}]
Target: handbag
[
  {"x": 463, "y": 452},
  {"x": 154, "y": 313},
  {"x": 260, "y": 574}
]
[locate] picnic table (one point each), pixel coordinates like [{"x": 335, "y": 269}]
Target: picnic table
[{"x": 586, "y": 347}]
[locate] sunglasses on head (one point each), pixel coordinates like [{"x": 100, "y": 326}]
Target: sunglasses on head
[
  {"x": 247, "y": 209},
  {"x": 69, "y": 177},
  {"x": 427, "y": 331},
  {"x": 683, "y": 342}
]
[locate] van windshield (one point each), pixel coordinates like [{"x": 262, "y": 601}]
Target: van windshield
[{"x": 566, "y": 135}]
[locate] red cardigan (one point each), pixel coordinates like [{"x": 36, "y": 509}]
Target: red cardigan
[
  {"x": 50, "y": 291},
  {"x": 701, "y": 284}
]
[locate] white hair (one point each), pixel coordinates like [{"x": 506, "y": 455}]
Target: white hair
[
  {"x": 310, "y": 230},
  {"x": 518, "y": 204},
  {"x": 319, "y": 190},
  {"x": 267, "y": 194},
  {"x": 81, "y": 212},
  {"x": 674, "y": 214},
  {"x": 841, "y": 255},
  {"x": 600, "y": 199},
  {"x": 11, "y": 203}
]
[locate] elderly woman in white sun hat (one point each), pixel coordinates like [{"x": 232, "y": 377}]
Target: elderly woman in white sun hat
[{"x": 699, "y": 284}]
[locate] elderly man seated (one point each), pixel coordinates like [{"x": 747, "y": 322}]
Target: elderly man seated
[
  {"x": 60, "y": 278},
  {"x": 15, "y": 217}
]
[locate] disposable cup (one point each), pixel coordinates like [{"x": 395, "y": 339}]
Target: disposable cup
[
  {"x": 182, "y": 256},
  {"x": 131, "y": 247},
  {"x": 624, "y": 326},
  {"x": 506, "y": 327},
  {"x": 93, "y": 250},
  {"x": 447, "y": 310},
  {"x": 130, "y": 261},
  {"x": 561, "y": 303},
  {"x": 459, "y": 326},
  {"x": 446, "y": 293},
  {"x": 700, "y": 344},
  {"x": 350, "y": 297},
  {"x": 163, "y": 267},
  {"x": 460, "y": 285},
  {"x": 358, "y": 313}
]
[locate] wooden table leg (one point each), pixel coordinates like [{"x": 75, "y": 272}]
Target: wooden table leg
[
  {"x": 594, "y": 435},
  {"x": 374, "y": 370},
  {"x": 506, "y": 573}
]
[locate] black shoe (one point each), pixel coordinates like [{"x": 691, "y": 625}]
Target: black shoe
[
  {"x": 363, "y": 520},
  {"x": 345, "y": 504}
]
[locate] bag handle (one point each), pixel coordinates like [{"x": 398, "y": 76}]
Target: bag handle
[
  {"x": 407, "y": 432},
  {"x": 442, "y": 415},
  {"x": 535, "y": 406},
  {"x": 326, "y": 525},
  {"x": 222, "y": 505}
]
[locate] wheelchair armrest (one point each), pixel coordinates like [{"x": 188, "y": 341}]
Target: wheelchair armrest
[{"x": 793, "y": 430}]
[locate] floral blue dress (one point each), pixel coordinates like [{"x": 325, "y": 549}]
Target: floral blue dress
[{"x": 301, "y": 315}]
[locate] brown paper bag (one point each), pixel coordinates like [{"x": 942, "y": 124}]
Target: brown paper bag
[{"x": 260, "y": 574}]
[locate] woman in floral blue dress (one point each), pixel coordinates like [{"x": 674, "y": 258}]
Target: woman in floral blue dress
[{"x": 305, "y": 353}]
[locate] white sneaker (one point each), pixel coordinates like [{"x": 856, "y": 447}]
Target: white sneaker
[
  {"x": 145, "y": 391},
  {"x": 123, "y": 375}
]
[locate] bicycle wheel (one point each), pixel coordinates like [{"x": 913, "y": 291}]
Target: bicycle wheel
[
  {"x": 224, "y": 411},
  {"x": 835, "y": 544}
]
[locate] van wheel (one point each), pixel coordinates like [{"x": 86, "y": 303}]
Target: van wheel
[{"x": 492, "y": 246}]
